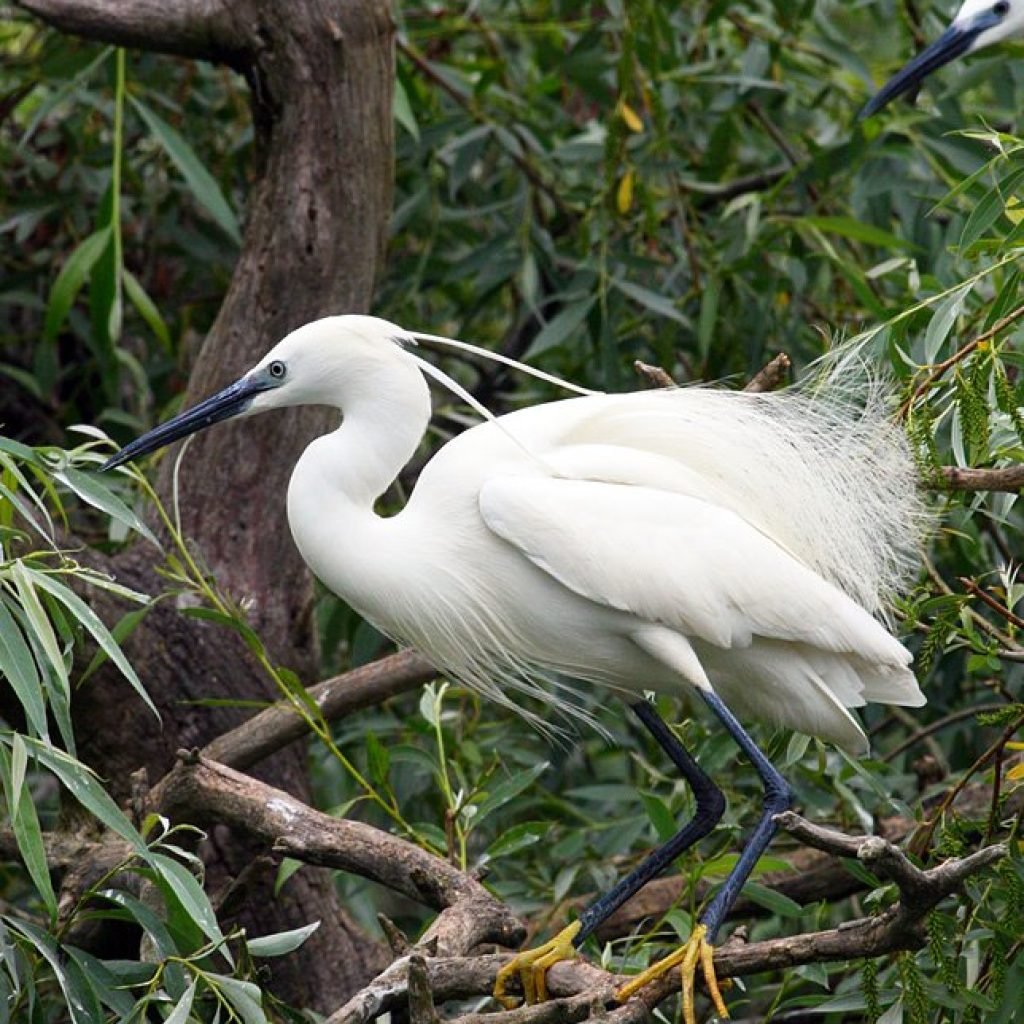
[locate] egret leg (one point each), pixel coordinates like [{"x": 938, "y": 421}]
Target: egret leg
[
  {"x": 532, "y": 965},
  {"x": 710, "y": 808},
  {"x": 699, "y": 949}
]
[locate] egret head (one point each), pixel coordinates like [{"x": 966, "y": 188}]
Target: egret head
[
  {"x": 320, "y": 363},
  {"x": 977, "y": 24}
]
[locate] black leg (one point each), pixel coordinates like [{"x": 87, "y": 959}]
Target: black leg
[
  {"x": 710, "y": 807},
  {"x": 778, "y": 797}
]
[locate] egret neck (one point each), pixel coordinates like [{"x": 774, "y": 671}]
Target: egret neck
[{"x": 340, "y": 475}]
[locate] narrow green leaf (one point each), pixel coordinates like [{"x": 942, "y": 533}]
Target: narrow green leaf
[
  {"x": 660, "y": 304},
  {"x": 19, "y": 668},
  {"x": 85, "y": 787},
  {"x": 190, "y": 894},
  {"x": 42, "y": 631},
  {"x": 281, "y": 942},
  {"x": 403, "y": 110},
  {"x": 245, "y": 998},
  {"x": 508, "y": 790},
  {"x": 133, "y": 909},
  {"x": 27, "y": 832},
  {"x": 378, "y": 759},
  {"x": 561, "y": 326},
  {"x": 181, "y": 1011},
  {"x": 71, "y": 278},
  {"x": 708, "y": 316},
  {"x": 661, "y": 817},
  {"x": 92, "y": 622},
  {"x": 78, "y": 1004},
  {"x": 942, "y": 322},
  {"x": 146, "y": 307},
  {"x": 203, "y": 185},
  {"x": 19, "y": 766},
  {"x": 847, "y": 227},
  {"x": 245, "y": 631},
  {"x": 773, "y": 901},
  {"x": 518, "y": 837},
  {"x": 103, "y": 982},
  {"x": 95, "y": 492},
  {"x": 120, "y": 630}
]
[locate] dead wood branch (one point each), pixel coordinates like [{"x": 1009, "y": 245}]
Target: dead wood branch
[
  {"x": 200, "y": 790},
  {"x": 189, "y": 28},
  {"x": 280, "y": 724},
  {"x": 771, "y": 375},
  {"x": 813, "y": 875},
  {"x": 577, "y": 986},
  {"x": 1009, "y": 479}
]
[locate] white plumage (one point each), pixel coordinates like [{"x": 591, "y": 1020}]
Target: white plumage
[
  {"x": 659, "y": 540},
  {"x": 683, "y": 540}
]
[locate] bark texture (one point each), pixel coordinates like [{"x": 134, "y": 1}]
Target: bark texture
[{"x": 320, "y": 74}]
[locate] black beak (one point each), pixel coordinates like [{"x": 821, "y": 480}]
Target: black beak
[
  {"x": 953, "y": 43},
  {"x": 232, "y": 401}
]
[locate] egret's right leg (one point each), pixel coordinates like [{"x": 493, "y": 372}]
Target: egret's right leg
[{"x": 532, "y": 965}]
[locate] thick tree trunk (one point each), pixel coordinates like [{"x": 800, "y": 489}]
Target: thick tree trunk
[{"x": 320, "y": 74}]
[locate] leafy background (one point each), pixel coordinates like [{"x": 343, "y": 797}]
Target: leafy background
[{"x": 579, "y": 186}]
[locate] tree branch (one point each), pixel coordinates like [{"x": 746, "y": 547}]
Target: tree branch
[
  {"x": 198, "y": 789},
  {"x": 189, "y": 28},
  {"x": 578, "y": 986},
  {"x": 280, "y": 724},
  {"x": 963, "y": 478}
]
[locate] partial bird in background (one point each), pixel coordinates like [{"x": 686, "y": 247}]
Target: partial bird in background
[
  {"x": 978, "y": 23},
  {"x": 743, "y": 549}
]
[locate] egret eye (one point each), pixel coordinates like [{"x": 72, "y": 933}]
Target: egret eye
[
  {"x": 277, "y": 369},
  {"x": 1002, "y": 8}
]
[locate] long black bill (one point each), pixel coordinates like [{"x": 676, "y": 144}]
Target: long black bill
[
  {"x": 232, "y": 401},
  {"x": 953, "y": 43}
]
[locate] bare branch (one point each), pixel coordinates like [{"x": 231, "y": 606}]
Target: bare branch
[
  {"x": 655, "y": 376},
  {"x": 771, "y": 375},
  {"x": 189, "y": 28},
  {"x": 577, "y": 986},
  {"x": 962, "y": 478},
  {"x": 281, "y": 724},
  {"x": 202, "y": 790}
]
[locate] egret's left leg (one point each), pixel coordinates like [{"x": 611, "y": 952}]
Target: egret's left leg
[
  {"x": 698, "y": 950},
  {"x": 531, "y": 966}
]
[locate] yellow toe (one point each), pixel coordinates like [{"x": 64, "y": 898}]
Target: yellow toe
[
  {"x": 695, "y": 951},
  {"x": 532, "y": 967}
]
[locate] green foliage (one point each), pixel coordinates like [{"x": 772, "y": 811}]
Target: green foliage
[
  {"x": 679, "y": 183},
  {"x": 44, "y": 975}
]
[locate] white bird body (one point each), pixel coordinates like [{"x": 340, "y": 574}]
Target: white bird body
[
  {"x": 686, "y": 540},
  {"x": 659, "y": 540}
]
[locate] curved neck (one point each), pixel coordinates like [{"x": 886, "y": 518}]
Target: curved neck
[{"x": 381, "y": 430}]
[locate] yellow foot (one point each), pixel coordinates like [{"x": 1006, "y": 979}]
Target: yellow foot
[
  {"x": 532, "y": 967},
  {"x": 696, "y": 950}
]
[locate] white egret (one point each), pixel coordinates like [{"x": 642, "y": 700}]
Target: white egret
[
  {"x": 687, "y": 541},
  {"x": 978, "y": 23}
]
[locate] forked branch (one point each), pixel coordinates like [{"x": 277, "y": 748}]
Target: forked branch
[{"x": 582, "y": 991}]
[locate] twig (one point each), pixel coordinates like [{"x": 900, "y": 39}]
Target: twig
[
  {"x": 771, "y": 375},
  {"x": 958, "y": 356},
  {"x": 923, "y": 838},
  {"x": 988, "y": 599},
  {"x": 1009, "y": 479},
  {"x": 937, "y": 725},
  {"x": 768, "y": 378},
  {"x": 421, "y": 1001},
  {"x": 655, "y": 376},
  {"x": 280, "y": 724}
]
